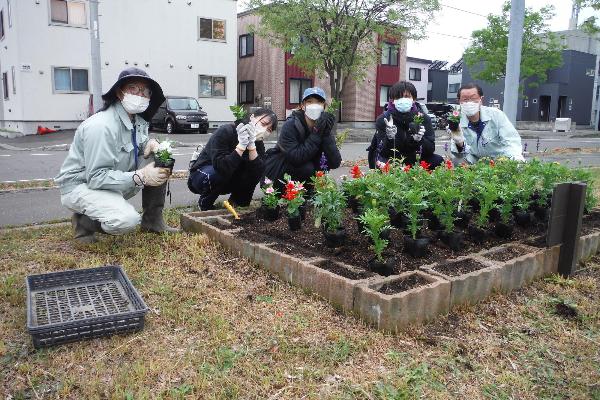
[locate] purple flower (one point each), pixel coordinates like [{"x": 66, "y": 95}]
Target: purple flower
[
  {"x": 446, "y": 146},
  {"x": 525, "y": 147},
  {"x": 323, "y": 163}
]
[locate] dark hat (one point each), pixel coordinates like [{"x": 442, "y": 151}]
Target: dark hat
[{"x": 156, "y": 99}]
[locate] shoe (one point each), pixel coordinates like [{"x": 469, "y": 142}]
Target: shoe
[{"x": 85, "y": 228}]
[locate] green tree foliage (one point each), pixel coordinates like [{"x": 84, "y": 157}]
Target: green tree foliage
[
  {"x": 590, "y": 25},
  {"x": 336, "y": 38},
  {"x": 541, "y": 52}
]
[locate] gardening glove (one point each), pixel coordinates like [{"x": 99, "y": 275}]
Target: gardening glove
[
  {"x": 243, "y": 136},
  {"x": 252, "y": 139},
  {"x": 325, "y": 123},
  {"x": 151, "y": 175},
  {"x": 390, "y": 128},
  {"x": 457, "y": 136},
  {"x": 417, "y": 137},
  {"x": 150, "y": 147}
]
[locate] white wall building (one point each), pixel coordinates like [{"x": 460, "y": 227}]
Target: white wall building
[
  {"x": 188, "y": 46},
  {"x": 454, "y": 81},
  {"x": 417, "y": 71}
]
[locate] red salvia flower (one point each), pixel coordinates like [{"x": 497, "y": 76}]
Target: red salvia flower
[
  {"x": 320, "y": 174},
  {"x": 407, "y": 168},
  {"x": 492, "y": 163},
  {"x": 355, "y": 172},
  {"x": 425, "y": 165},
  {"x": 386, "y": 168},
  {"x": 449, "y": 164}
]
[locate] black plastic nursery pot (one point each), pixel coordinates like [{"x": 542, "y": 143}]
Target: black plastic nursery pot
[
  {"x": 385, "y": 268},
  {"x": 494, "y": 215},
  {"x": 295, "y": 222},
  {"x": 397, "y": 219},
  {"x": 462, "y": 219},
  {"x": 454, "y": 240},
  {"x": 524, "y": 218},
  {"x": 541, "y": 213},
  {"x": 433, "y": 223},
  {"x": 158, "y": 163},
  {"x": 269, "y": 214},
  {"x": 474, "y": 205},
  {"x": 416, "y": 247},
  {"x": 336, "y": 238},
  {"x": 354, "y": 204},
  {"x": 503, "y": 230},
  {"x": 453, "y": 125},
  {"x": 478, "y": 235},
  {"x": 302, "y": 210}
]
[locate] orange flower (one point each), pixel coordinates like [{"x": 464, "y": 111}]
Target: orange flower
[
  {"x": 492, "y": 163},
  {"x": 320, "y": 174}
]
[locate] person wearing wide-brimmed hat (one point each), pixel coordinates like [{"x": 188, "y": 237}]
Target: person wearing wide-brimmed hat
[
  {"x": 306, "y": 143},
  {"x": 104, "y": 168}
]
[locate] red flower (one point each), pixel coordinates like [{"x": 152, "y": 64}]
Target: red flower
[
  {"x": 492, "y": 163},
  {"x": 355, "y": 172},
  {"x": 449, "y": 164},
  {"x": 425, "y": 165},
  {"x": 386, "y": 168},
  {"x": 290, "y": 185},
  {"x": 320, "y": 174},
  {"x": 407, "y": 168}
]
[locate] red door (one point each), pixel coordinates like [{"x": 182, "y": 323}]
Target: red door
[{"x": 388, "y": 72}]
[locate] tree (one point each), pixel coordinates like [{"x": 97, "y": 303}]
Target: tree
[
  {"x": 541, "y": 51},
  {"x": 337, "y": 37},
  {"x": 589, "y": 25}
]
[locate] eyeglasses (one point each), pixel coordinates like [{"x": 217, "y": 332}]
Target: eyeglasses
[
  {"x": 138, "y": 90},
  {"x": 473, "y": 99}
]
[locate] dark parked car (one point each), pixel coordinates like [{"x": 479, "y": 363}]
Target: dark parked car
[{"x": 179, "y": 113}]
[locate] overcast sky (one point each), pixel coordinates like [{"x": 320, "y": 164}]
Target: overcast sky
[{"x": 439, "y": 45}]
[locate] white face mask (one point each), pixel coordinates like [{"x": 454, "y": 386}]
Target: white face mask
[
  {"x": 134, "y": 104},
  {"x": 403, "y": 105},
  {"x": 313, "y": 111},
  {"x": 470, "y": 108},
  {"x": 258, "y": 126}
]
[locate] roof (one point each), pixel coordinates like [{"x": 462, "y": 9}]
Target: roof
[{"x": 419, "y": 60}]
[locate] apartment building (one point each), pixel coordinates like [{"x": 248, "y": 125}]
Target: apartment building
[{"x": 188, "y": 46}]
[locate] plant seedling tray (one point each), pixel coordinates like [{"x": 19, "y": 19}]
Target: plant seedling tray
[{"x": 73, "y": 305}]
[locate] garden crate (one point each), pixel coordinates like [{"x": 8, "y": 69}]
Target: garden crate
[{"x": 80, "y": 304}]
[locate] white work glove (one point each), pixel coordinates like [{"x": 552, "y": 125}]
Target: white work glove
[
  {"x": 151, "y": 175},
  {"x": 457, "y": 136},
  {"x": 417, "y": 137},
  {"x": 252, "y": 139},
  {"x": 390, "y": 128},
  {"x": 151, "y": 147},
  {"x": 243, "y": 133}
]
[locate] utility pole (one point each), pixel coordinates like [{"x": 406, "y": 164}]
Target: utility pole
[
  {"x": 96, "y": 66},
  {"x": 513, "y": 59},
  {"x": 574, "y": 15}
]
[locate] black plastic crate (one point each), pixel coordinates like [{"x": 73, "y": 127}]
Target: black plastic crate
[{"x": 68, "y": 306}]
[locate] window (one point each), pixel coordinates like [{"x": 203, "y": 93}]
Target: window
[
  {"x": 70, "y": 80},
  {"x": 211, "y": 86},
  {"x": 5, "y": 84},
  {"x": 414, "y": 74},
  {"x": 68, "y": 12},
  {"x": 383, "y": 95},
  {"x": 246, "y": 45},
  {"x": 1, "y": 24},
  {"x": 246, "y": 92},
  {"x": 453, "y": 87},
  {"x": 389, "y": 54},
  {"x": 211, "y": 29},
  {"x": 297, "y": 88}
]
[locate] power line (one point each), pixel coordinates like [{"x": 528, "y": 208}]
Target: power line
[
  {"x": 454, "y": 36},
  {"x": 465, "y": 11}
]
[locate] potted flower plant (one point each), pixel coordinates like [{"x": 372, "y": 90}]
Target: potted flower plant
[
  {"x": 416, "y": 203},
  {"x": 521, "y": 210},
  {"x": 292, "y": 200},
  {"x": 269, "y": 208},
  {"x": 375, "y": 222},
  {"x": 453, "y": 119},
  {"x": 354, "y": 188},
  {"x": 163, "y": 158},
  {"x": 329, "y": 203},
  {"x": 445, "y": 200},
  {"x": 488, "y": 194},
  {"x": 508, "y": 192}
]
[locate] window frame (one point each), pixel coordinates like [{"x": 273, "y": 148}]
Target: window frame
[
  {"x": 390, "y": 47},
  {"x": 246, "y": 100},
  {"x": 456, "y": 85},
  {"x": 212, "y": 31},
  {"x": 2, "y": 30},
  {"x": 14, "y": 79},
  {"x": 245, "y": 37},
  {"x": 387, "y": 97},
  {"x": 58, "y": 23},
  {"x": 310, "y": 84},
  {"x": 212, "y": 86},
  {"x": 71, "y": 91},
  {"x": 410, "y": 69},
  {"x": 5, "y": 88}
]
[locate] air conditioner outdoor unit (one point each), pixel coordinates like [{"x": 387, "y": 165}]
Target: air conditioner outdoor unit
[{"x": 562, "y": 125}]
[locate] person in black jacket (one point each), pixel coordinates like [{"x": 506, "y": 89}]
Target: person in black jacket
[
  {"x": 232, "y": 161},
  {"x": 397, "y": 136},
  {"x": 306, "y": 143}
]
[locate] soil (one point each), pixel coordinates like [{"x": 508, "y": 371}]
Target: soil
[
  {"x": 337, "y": 269},
  {"x": 309, "y": 242},
  {"x": 566, "y": 311},
  {"x": 508, "y": 253},
  {"x": 402, "y": 285},
  {"x": 457, "y": 268}
]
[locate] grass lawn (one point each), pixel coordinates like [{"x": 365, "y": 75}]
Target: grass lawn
[{"x": 220, "y": 327}]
